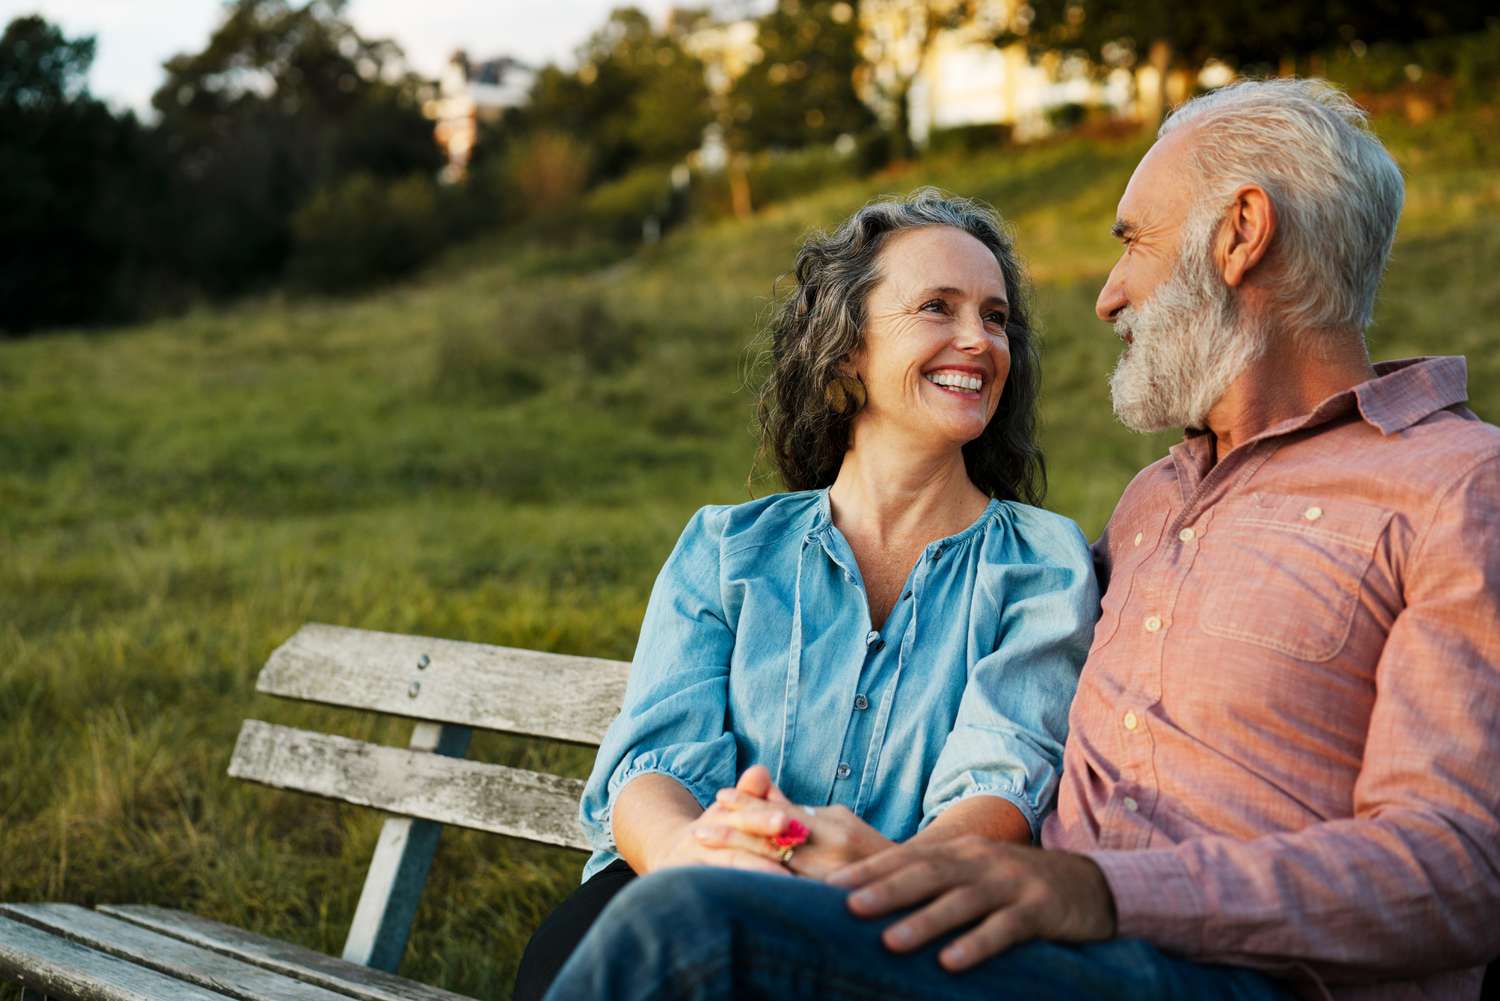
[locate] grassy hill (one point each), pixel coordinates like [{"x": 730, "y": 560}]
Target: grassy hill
[{"x": 503, "y": 451}]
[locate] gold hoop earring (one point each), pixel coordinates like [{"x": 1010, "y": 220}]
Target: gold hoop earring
[{"x": 845, "y": 395}]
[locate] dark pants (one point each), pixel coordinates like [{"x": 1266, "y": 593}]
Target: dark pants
[{"x": 564, "y": 928}]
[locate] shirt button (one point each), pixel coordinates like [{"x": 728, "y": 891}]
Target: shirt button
[
  {"x": 1153, "y": 624},
  {"x": 861, "y": 703},
  {"x": 1131, "y": 721},
  {"x": 843, "y": 770},
  {"x": 1131, "y": 804},
  {"x": 1186, "y": 535},
  {"x": 1313, "y": 513},
  {"x": 872, "y": 637},
  {"x": 906, "y": 595},
  {"x": 1138, "y": 537}
]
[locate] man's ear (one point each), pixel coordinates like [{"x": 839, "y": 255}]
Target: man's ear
[{"x": 1249, "y": 226}]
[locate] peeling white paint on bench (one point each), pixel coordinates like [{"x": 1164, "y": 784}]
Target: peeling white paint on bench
[
  {"x": 474, "y": 794},
  {"x": 55, "y": 967},
  {"x": 295, "y": 961},
  {"x": 550, "y": 695},
  {"x": 166, "y": 955}
]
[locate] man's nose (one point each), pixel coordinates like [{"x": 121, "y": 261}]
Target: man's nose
[{"x": 1111, "y": 299}]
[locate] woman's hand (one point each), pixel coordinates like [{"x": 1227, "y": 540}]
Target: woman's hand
[
  {"x": 747, "y": 822},
  {"x": 689, "y": 846},
  {"x": 654, "y": 820}
]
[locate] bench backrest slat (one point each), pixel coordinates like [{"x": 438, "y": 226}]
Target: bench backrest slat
[
  {"x": 474, "y": 794},
  {"x": 470, "y": 684}
]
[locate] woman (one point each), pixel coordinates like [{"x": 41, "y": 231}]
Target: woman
[{"x": 895, "y": 642}]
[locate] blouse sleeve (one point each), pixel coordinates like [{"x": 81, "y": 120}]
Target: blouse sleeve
[
  {"x": 1007, "y": 740},
  {"x": 672, "y": 721}
]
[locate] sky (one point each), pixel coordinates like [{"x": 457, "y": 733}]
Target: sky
[{"x": 136, "y": 36}]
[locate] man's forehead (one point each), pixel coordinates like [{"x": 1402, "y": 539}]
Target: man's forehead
[{"x": 1160, "y": 182}]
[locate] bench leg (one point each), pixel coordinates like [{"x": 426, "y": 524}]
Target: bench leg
[
  {"x": 27, "y": 994},
  {"x": 398, "y": 872}
]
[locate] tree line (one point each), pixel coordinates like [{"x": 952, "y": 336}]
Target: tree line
[{"x": 292, "y": 150}]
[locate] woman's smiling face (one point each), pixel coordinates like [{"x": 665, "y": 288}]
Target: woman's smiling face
[{"x": 935, "y": 354}]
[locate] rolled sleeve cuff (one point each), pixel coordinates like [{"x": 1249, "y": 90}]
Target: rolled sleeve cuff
[
  {"x": 1155, "y": 898},
  {"x": 702, "y": 787},
  {"x": 1015, "y": 799}
]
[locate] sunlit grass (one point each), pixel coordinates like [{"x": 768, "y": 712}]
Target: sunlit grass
[{"x": 502, "y": 450}]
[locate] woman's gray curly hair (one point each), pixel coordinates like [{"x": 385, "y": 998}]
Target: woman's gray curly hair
[{"x": 820, "y": 323}]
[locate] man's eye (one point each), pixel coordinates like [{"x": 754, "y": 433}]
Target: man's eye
[
  {"x": 995, "y": 317},
  {"x": 935, "y": 306}
]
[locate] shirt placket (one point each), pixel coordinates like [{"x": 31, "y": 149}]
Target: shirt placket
[
  {"x": 850, "y": 780},
  {"x": 1166, "y": 573}
]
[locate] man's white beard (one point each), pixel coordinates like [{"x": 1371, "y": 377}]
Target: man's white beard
[{"x": 1188, "y": 342}]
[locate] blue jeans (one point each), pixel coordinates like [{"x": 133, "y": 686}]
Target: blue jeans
[{"x": 709, "y": 934}]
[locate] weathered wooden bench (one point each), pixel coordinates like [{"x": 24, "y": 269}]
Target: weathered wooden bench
[
  {"x": 129, "y": 953},
  {"x": 134, "y": 953}
]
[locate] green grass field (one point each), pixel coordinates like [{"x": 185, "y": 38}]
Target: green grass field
[{"x": 502, "y": 450}]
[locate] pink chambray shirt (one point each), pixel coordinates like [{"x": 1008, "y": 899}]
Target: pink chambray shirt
[{"x": 1285, "y": 747}]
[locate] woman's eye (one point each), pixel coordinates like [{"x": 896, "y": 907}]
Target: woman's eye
[
  {"x": 935, "y": 306},
  {"x": 995, "y": 318}
]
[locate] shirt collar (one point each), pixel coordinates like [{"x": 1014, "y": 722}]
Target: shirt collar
[{"x": 1402, "y": 393}]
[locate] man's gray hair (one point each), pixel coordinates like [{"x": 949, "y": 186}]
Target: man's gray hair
[{"x": 1336, "y": 190}]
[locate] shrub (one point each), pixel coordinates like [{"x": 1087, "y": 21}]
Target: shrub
[
  {"x": 777, "y": 176},
  {"x": 618, "y": 210},
  {"x": 362, "y": 230},
  {"x": 968, "y": 139},
  {"x": 544, "y": 174},
  {"x": 541, "y": 342}
]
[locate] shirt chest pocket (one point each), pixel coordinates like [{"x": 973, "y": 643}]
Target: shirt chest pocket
[{"x": 1286, "y": 572}]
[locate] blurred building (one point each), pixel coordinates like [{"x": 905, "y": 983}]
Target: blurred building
[{"x": 470, "y": 93}]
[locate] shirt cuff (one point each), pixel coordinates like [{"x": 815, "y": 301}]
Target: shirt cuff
[
  {"x": 1155, "y": 898},
  {"x": 1019, "y": 801}
]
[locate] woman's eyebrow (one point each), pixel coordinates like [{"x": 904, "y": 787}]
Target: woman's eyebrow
[{"x": 950, "y": 290}]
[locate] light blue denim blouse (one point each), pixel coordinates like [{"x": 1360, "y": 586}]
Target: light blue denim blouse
[{"x": 757, "y": 648}]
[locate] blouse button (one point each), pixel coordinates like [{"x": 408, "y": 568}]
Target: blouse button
[
  {"x": 844, "y": 771},
  {"x": 1138, "y": 537},
  {"x": 1131, "y": 804},
  {"x": 861, "y": 703},
  {"x": 1313, "y": 513},
  {"x": 872, "y": 637}
]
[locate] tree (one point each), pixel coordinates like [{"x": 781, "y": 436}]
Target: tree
[
  {"x": 802, "y": 89},
  {"x": 1185, "y": 37},
  {"x": 637, "y": 97},
  {"x": 283, "y": 102},
  {"x": 75, "y": 203},
  {"x": 896, "y": 37}
]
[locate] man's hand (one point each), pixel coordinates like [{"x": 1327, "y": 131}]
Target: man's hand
[{"x": 1014, "y": 893}]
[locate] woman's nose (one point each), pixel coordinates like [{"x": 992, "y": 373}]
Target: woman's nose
[{"x": 971, "y": 335}]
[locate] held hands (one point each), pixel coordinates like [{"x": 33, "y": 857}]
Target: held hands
[
  {"x": 1014, "y": 894},
  {"x": 748, "y": 816},
  {"x": 689, "y": 847}
]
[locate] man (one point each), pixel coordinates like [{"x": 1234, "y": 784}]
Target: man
[{"x": 1282, "y": 769}]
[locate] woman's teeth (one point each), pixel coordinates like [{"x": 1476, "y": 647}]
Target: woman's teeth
[{"x": 956, "y": 380}]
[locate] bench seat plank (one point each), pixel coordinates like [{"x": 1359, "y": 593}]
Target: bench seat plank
[
  {"x": 295, "y": 961},
  {"x": 56, "y": 967},
  {"x": 166, "y": 955},
  {"x": 549, "y": 695},
  {"x": 473, "y": 794}
]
